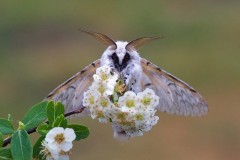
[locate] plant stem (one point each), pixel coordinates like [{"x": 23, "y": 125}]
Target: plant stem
[{"x": 77, "y": 111}]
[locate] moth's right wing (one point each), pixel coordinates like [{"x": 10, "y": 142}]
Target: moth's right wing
[
  {"x": 176, "y": 96},
  {"x": 70, "y": 93}
]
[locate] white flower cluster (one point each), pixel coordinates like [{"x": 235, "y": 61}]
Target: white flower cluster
[
  {"x": 58, "y": 143},
  {"x": 133, "y": 113},
  {"x": 136, "y": 112},
  {"x": 97, "y": 97}
]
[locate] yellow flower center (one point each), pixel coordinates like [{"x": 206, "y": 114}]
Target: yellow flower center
[
  {"x": 139, "y": 117},
  {"x": 100, "y": 114},
  {"x": 121, "y": 116},
  {"x": 104, "y": 103},
  {"x": 146, "y": 101},
  {"x": 101, "y": 89},
  {"x": 104, "y": 77},
  {"x": 130, "y": 103},
  {"x": 59, "y": 138},
  {"x": 91, "y": 100}
]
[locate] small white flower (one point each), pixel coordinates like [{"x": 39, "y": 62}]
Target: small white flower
[
  {"x": 62, "y": 137},
  {"x": 104, "y": 102},
  {"x": 148, "y": 98},
  {"x": 50, "y": 151},
  {"x": 103, "y": 88},
  {"x": 103, "y": 110},
  {"x": 90, "y": 98},
  {"x": 104, "y": 73},
  {"x": 104, "y": 81},
  {"x": 128, "y": 101},
  {"x": 58, "y": 142}
]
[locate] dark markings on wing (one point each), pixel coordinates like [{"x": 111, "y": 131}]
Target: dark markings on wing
[
  {"x": 70, "y": 93},
  {"x": 176, "y": 96},
  {"x": 147, "y": 84}
]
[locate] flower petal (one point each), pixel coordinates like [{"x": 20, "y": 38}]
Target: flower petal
[
  {"x": 51, "y": 148},
  {"x": 69, "y": 135},
  {"x": 66, "y": 146},
  {"x": 64, "y": 157},
  {"x": 50, "y": 137}
]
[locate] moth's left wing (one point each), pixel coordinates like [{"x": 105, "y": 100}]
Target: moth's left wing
[
  {"x": 70, "y": 93},
  {"x": 176, "y": 97}
]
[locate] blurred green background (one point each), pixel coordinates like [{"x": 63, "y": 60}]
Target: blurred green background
[{"x": 40, "y": 48}]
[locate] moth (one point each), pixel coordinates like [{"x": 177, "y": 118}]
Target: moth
[{"x": 176, "y": 96}]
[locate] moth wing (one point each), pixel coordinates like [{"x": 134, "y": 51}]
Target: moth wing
[
  {"x": 176, "y": 97},
  {"x": 70, "y": 93}
]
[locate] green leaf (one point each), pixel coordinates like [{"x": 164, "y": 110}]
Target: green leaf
[
  {"x": 50, "y": 112},
  {"x": 60, "y": 108},
  {"x": 5, "y": 154},
  {"x": 60, "y": 121},
  {"x": 6, "y": 126},
  {"x": 35, "y": 116},
  {"x": 43, "y": 129},
  {"x": 21, "y": 146},
  {"x": 38, "y": 147},
  {"x": 1, "y": 139},
  {"x": 53, "y": 111},
  {"x": 81, "y": 131}
]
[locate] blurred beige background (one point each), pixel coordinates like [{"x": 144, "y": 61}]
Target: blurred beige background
[{"x": 40, "y": 48}]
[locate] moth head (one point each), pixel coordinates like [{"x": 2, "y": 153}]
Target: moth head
[{"x": 120, "y": 54}]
